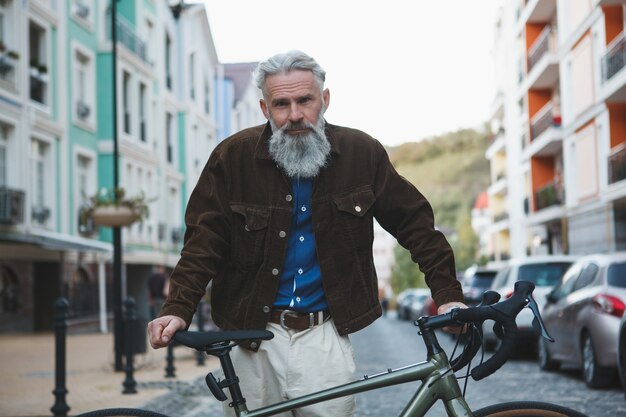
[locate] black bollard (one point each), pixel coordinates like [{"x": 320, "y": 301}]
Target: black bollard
[
  {"x": 199, "y": 354},
  {"x": 129, "y": 327},
  {"x": 169, "y": 360},
  {"x": 60, "y": 407}
]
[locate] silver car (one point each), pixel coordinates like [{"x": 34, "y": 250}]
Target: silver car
[
  {"x": 583, "y": 315},
  {"x": 545, "y": 272}
]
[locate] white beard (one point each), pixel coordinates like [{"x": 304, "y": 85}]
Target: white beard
[{"x": 300, "y": 155}]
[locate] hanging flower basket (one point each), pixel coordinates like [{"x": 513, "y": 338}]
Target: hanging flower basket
[
  {"x": 113, "y": 209},
  {"x": 114, "y": 216}
]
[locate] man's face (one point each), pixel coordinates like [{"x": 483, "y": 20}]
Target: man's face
[{"x": 293, "y": 97}]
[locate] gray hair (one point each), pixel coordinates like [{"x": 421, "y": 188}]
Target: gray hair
[{"x": 286, "y": 62}]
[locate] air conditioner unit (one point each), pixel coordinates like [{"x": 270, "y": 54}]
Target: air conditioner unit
[
  {"x": 82, "y": 110},
  {"x": 82, "y": 10},
  {"x": 177, "y": 235},
  {"x": 11, "y": 206},
  {"x": 40, "y": 213}
]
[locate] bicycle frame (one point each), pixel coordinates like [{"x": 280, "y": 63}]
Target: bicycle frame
[{"x": 438, "y": 382}]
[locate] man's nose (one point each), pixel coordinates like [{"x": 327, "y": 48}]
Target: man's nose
[{"x": 295, "y": 113}]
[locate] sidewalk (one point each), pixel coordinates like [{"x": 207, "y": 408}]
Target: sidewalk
[{"x": 27, "y": 375}]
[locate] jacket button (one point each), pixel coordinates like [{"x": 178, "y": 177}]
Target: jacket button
[
  {"x": 282, "y": 233},
  {"x": 357, "y": 209},
  {"x": 254, "y": 345},
  {"x": 266, "y": 309},
  {"x": 288, "y": 197},
  {"x": 274, "y": 271}
]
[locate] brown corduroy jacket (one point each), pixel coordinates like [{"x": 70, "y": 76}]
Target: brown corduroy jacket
[{"x": 242, "y": 203}]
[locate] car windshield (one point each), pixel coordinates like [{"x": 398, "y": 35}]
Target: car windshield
[
  {"x": 617, "y": 275},
  {"x": 482, "y": 279},
  {"x": 543, "y": 274}
]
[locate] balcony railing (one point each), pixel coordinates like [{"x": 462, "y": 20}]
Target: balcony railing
[
  {"x": 539, "y": 47},
  {"x": 549, "y": 195},
  {"x": 615, "y": 57},
  {"x": 617, "y": 164},
  {"x": 544, "y": 119},
  {"x": 126, "y": 35}
]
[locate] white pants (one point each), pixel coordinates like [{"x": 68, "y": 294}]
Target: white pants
[{"x": 296, "y": 363}]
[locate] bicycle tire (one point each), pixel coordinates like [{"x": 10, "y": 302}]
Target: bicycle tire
[
  {"x": 527, "y": 409},
  {"x": 121, "y": 412}
]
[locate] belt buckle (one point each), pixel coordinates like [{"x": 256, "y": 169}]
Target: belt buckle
[{"x": 282, "y": 319}]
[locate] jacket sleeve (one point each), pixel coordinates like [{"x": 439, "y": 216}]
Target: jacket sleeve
[
  {"x": 206, "y": 243},
  {"x": 405, "y": 213}
]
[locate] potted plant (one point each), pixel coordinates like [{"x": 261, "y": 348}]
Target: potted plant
[{"x": 112, "y": 208}]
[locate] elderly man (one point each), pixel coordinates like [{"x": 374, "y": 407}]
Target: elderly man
[{"x": 281, "y": 221}]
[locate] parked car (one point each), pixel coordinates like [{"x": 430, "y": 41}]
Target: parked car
[
  {"x": 405, "y": 300},
  {"x": 476, "y": 281},
  {"x": 582, "y": 313},
  {"x": 621, "y": 352},
  {"x": 543, "y": 271}
]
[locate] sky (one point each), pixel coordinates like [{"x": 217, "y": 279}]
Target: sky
[{"x": 400, "y": 70}]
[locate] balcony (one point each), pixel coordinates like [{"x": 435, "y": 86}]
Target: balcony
[
  {"x": 539, "y": 48},
  {"x": 542, "y": 62},
  {"x": 615, "y": 58},
  {"x": 548, "y": 195},
  {"x": 543, "y": 120},
  {"x": 537, "y": 11},
  {"x": 617, "y": 164},
  {"x": 127, "y": 37}
]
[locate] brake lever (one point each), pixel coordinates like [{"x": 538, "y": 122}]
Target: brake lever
[{"x": 537, "y": 321}]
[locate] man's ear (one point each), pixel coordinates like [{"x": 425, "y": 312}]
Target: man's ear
[
  {"x": 263, "y": 105},
  {"x": 326, "y": 97}
]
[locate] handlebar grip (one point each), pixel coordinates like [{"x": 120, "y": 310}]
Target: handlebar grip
[
  {"x": 501, "y": 356},
  {"x": 503, "y": 313},
  {"x": 474, "y": 341}
]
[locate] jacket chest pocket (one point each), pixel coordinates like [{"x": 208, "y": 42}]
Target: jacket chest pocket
[
  {"x": 354, "y": 214},
  {"x": 249, "y": 229}
]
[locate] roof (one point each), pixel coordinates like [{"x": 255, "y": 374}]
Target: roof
[
  {"x": 241, "y": 74},
  {"x": 482, "y": 201},
  {"x": 56, "y": 242}
]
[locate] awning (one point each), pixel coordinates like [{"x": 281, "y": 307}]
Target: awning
[{"x": 56, "y": 242}]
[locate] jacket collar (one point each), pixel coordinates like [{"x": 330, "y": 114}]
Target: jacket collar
[{"x": 262, "y": 147}]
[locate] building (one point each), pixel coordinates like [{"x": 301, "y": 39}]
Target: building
[
  {"x": 57, "y": 142},
  {"x": 559, "y": 118}
]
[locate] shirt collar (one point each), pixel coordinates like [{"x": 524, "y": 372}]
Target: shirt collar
[{"x": 262, "y": 147}]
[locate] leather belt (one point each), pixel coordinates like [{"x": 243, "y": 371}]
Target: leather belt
[{"x": 292, "y": 320}]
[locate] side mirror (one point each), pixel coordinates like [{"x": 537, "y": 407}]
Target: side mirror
[{"x": 552, "y": 298}]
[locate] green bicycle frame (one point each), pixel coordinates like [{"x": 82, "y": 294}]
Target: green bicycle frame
[{"x": 438, "y": 382}]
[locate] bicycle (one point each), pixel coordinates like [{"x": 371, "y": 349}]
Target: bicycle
[{"x": 437, "y": 372}]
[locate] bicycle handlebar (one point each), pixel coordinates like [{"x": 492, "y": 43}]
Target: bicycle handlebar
[{"x": 503, "y": 313}]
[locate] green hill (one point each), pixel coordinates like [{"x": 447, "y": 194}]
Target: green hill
[{"x": 450, "y": 170}]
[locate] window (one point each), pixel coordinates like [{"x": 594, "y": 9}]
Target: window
[
  {"x": 42, "y": 175},
  {"x": 207, "y": 96},
  {"x": 126, "y": 101},
  {"x": 142, "y": 112},
  {"x": 83, "y": 294},
  {"x": 192, "y": 76},
  {"x": 168, "y": 62},
  {"x": 587, "y": 276},
  {"x": 38, "y": 63},
  {"x": 9, "y": 56},
  {"x": 84, "y": 96},
  {"x": 4, "y": 145},
  {"x": 169, "y": 133}
]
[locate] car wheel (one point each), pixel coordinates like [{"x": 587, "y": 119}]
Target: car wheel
[
  {"x": 546, "y": 363},
  {"x": 595, "y": 376}
]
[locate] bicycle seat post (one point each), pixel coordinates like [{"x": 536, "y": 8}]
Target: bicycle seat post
[{"x": 232, "y": 382}]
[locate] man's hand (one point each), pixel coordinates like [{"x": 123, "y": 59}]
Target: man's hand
[
  {"x": 161, "y": 330},
  {"x": 444, "y": 308}
]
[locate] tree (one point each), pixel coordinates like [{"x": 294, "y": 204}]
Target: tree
[{"x": 406, "y": 273}]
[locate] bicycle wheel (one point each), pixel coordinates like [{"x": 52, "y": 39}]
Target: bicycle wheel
[
  {"x": 526, "y": 409},
  {"x": 121, "y": 412}
]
